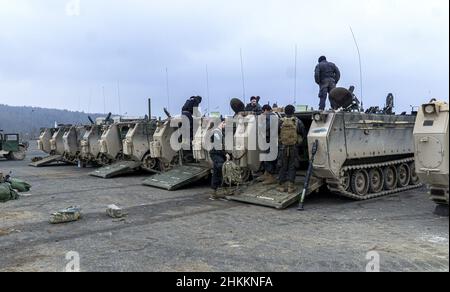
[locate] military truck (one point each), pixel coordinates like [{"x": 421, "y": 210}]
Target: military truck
[
  {"x": 360, "y": 156},
  {"x": 11, "y": 147},
  {"x": 431, "y": 138}
]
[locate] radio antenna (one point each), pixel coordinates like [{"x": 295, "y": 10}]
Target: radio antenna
[
  {"x": 207, "y": 89},
  {"x": 295, "y": 75},
  {"x": 118, "y": 95},
  {"x": 243, "y": 76},
  {"x": 167, "y": 88},
  {"x": 360, "y": 69},
  {"x": 104, "y": 99}
]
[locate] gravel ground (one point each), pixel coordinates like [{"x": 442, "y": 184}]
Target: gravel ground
[{"x": 184, "y": 231}]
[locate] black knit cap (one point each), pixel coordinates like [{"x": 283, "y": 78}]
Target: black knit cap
[
  {"x": 289, "y": 110},
  {"x": 266, "y": 108}
]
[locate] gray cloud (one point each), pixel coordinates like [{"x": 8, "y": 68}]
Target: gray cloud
[{"x": 50, "y": 59}]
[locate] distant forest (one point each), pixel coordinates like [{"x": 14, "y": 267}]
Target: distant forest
[{"x": 27, "y": 121}]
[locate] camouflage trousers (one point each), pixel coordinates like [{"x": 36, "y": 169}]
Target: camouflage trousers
[{"x": 288, "y": 159}]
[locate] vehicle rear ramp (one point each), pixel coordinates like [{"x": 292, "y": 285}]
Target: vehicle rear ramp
[
  {"x": 116, "y": 169},
  {"x": 178, "y": 177},
  {"x": 269, "y": 196},
  {"x": 47, "y": 161}
]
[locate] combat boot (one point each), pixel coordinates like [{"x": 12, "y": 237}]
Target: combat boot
[
  {"x": 214, "y": 195},
  {"x": 262, "y": 177},
  {"x": 282, "y": 188},
  {"x": 270, "y": 180},
  {"x": 291, "y": 188}
]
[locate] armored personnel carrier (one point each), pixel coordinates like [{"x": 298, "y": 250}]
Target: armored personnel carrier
[
  {"x": 72, "y": 143},
  {"x": 431, "y": 138},
  {"x": 360, "y": 156},
  {"x": 111, "y": 152},
  {"x": 178, "y": 167},
  {"x": 11, "y": 147},
  {"x": 90, "y": 147},
  {"x": 54, "y": 146},
  {"x": 136, "y": 145},
  {"x": 44, "y": 140}
]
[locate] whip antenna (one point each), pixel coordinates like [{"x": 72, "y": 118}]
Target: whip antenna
[
  {"x": 243, "y": 76},
  {"x": 360, "y": 69}
]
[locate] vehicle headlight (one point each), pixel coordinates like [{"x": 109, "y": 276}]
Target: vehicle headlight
[
  {"x": 317, "y": 117},
  {"x": 430, "y": 109}
]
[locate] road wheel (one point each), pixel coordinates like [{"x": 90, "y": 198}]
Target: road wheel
[
  {"x": 346, "y": 181},
  {"x": 376, "y": 180},
  {"x": 360, "y": 183},
  {"x": 20, "y": 154},
  {"x": 404, "y": 175},
  {"x": 149, "y": 163},
  {"x": 414, "y": 177},
  {"x": 390, "y": 178}
]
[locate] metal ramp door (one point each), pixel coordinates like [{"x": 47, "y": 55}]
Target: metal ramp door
[
  {"x": 116, "y": 169},
  {"x": 178, "y": 177},
  {"x": 46, "y": 161},
  {"x": 269, "y": 196}
]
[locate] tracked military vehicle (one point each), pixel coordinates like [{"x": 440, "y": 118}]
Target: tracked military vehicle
[
  {"x": 136, "y": 145},
  {"x": 44, "y": 140},
  {"x": 431, "y": 138},
  {"x": 72, "y": 143},
  {"x": 11, "y": 147},
  {"x": 90, "y": 147},
  {"x": 122, "y": 144},
  {"x": 54, "y": 146},
  {"x": 178, "y": 168},
  {"x": 360, "y": 156}
]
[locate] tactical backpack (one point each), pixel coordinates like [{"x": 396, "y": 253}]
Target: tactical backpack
[{"x": 288, "y": 133}]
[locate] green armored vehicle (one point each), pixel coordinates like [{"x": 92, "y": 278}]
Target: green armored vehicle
[
  {"x": 11, "y": 147},
  {"x": 431, "y": 138}
]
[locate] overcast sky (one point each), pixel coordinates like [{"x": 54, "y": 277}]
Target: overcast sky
[{"x": 61, "y": 53}]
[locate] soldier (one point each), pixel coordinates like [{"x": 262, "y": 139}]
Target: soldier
[
  {"x": 270, "y": 167},
  {"x": 327, "y": 76},
  {"x": 292, "y": 133},
  {"x": 188, "y": 110},
  {"x": 218, "y": 157},
  {"x": 254, "y": 105}
]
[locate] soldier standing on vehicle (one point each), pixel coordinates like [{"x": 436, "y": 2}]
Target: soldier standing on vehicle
[
  {"x": 254, "y": 105},
  {"x": 218, "y": 157},
  {"x": 292, "y": 132},
  {"x": 270, "y": 167},
  {"x": 188, "y": 110},
  {"x": 327, "y": 76}
]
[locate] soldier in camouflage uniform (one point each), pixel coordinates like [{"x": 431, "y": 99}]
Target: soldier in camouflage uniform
[
  {"x": 291, "y": 133},
  {"x": 218, "y": 157}
]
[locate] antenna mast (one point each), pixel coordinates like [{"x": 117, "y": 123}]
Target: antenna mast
[
  {"x": 295, "y": 76},
  {"x": 360, "y": 68},
  {"x": 243, "y": 76},
  {"x": 118, "y": 95},
  {"x": 207, "y": 88},
  {"x": 167, "y": 88}
]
